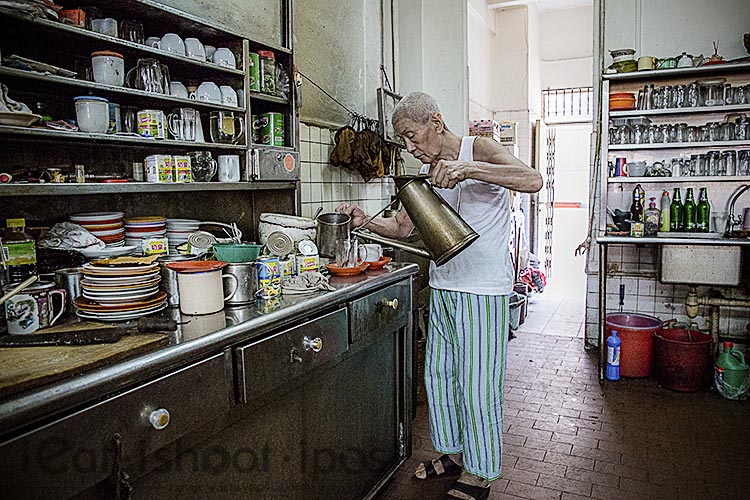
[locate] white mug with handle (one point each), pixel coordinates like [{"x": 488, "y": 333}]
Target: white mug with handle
[{"x": 229, "y": 168}]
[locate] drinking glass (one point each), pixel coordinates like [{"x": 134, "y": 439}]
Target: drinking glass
[
  {"x": 692, "y": 134},
  {"x": 654, "y": 134},
  {"x": 678, "y": 167},
  {"x": 639, "y": 134},
  {"x": 202, "y": 165},
  {"x": 347, "y": 252},
  {"x": 225, "y": 127},
  {"x": 132, "y": 31},
  {"x": 678, "y": 96},
  {"x": 729, "y": 161},
  {"x": 714, "y": 163},
  {"x": 742, "y": 129},
  {"x": 664, "y": 127},
  {"x": 729, "y": 94},
  {"x": 182, "y": 124},
  {"x": 702, "y": 165},
  {"x": 743, "y": 162},
  {"x": 693, "y": 95},
  {"x": 693, "y": 161},
  {"x": 713, "y": 131},
  {"x": 727, "y": 131}
]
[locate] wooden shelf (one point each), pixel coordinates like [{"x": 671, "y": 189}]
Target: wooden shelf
[
  {"x": 54, "y": 80},
  {"x": 679, "y": 145},
  {"x": 89, "y": 188},
  {"x": 672, "y": 180},
  {"x": 267, "y": 97},
  {"x": 680, "y": 111},
  {"x": 668, "y": 73},
  {"x": 130, "y": 140}
]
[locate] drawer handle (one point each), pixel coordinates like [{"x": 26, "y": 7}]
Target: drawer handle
[
  {"x": 159, "y": 418},
  {"x": 393, "y": 304},
  {"x": 315, "y": 344},
  {"x": 294, "y": 356}
]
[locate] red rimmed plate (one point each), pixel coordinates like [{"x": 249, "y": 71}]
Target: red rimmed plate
[
  {"x": 347, "y": 271},
  {"x": 382, "y": 262}
]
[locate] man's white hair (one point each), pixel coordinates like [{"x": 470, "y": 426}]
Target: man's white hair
[{"x": 417, "y": 106}]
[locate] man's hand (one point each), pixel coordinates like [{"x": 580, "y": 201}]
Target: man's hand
[
  {"x": 357, "y": 214},
  {"x": 448, "y": 173}
]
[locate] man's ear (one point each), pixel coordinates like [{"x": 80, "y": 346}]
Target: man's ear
[{"x": 436, "y": 120}]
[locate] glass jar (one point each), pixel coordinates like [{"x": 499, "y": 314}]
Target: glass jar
[
  {"x": 267, "y": 71},
  {"x": 714, "y": 163},
  {"x": 743, "y": 162},
  {"x": 701, "y": 165},
  {"x": 668, "y": 96},
  {"x": 729, "y": 162},
  {"x": 729, "y": 94},
  {"x": 613, "y": 135},
  {"x": 742, "y": 129},
  {"x": 678, "y": 167},
  {"x": 678, "y": 96},
  {"x": 714, "y": 131},
  {"x": 654, "y": 134},
  {"x": 639, "y": 134},
  {"x": 664, "y": 127},
  {"x": 692, "y": 134},
  {"x": 693, "y": 95},
  {"x": 623, "y": 134},
  {"x": 712, "y": 94},
  {"x": 727, "y": 131},
  {"x": 694, "y": 165}
]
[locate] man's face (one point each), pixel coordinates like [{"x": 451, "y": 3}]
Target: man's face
[{"x": 422, "y": 140}]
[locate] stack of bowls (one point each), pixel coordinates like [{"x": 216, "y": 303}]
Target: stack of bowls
[
  {"x": 138, "y": 229},
  {"x": 178, "y": 231},
  {"x": 624, "y": 60},
  {"x": 107, "y": 226},
  {"x": 620, "y": 101}
]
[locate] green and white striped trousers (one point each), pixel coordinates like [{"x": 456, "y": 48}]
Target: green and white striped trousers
[{"x": 464, "y": 374}]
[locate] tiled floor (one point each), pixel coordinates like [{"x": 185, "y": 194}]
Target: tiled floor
[{"x": 566, "y": 437}]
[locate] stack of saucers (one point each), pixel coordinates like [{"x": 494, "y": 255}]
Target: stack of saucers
[
  {"x": 178, "y": 231},
  {"x": 107, "y": 226},
  {"x": 138, "y": 229},
  {"x": 119, "y": 292}
]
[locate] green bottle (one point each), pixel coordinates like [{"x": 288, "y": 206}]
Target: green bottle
[
  {"x": 675, "y": 212},
  {"x": 704, "y": 212},
  {"x": 689, "y": 213}
]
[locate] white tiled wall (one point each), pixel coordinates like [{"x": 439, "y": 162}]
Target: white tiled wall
[
  {"x": 636, "y": 268},
  {"x": 328, "y": 186}
]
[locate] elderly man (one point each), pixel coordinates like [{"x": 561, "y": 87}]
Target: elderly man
[{"x": 468, "y": 327}]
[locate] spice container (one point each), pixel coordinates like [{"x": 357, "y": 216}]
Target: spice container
[
  {"x": 254, "y": 70},
  {"x": 267, "y": 71}
]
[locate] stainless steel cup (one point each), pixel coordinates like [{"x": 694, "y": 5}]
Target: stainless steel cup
[
  {"x": 246, "y": 286},
  {"x": 168, "y": 283},
  {"x": 69, "y": 279}
]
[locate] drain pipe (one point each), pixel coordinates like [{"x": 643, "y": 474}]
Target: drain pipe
[{"x": 715, "y": 301}]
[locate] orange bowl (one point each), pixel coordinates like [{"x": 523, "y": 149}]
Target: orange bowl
[{"x": 347, "y": 271}]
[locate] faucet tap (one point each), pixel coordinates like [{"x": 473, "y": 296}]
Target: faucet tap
[{"x": 731, "y": 221}]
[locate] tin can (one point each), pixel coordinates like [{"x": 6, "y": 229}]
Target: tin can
[
  {"x": 268, "y": 273},
  {"x": 182, "y": 171},
  {"x": 636, "y": 229},
  {"x": 115, "y": 124},
  {"x": 159, "y": 168},
  {"x": 620, "y": 170},
  {"x": 271, "y": 129},
  {"x": 138, "y": 174},
  {"x": 307, "y": 263},
  {"x": 152, "y": 123},
  {"x": 255, "y": 129},
  {"x": 254, "y": 70},
  {"x": 287, "y": 266},
  {"x": 80, "y": 173}
]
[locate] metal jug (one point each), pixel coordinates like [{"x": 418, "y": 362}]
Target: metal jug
[
  {"x": 444, "y": 233},
  {"x": 331, "y": 227}
]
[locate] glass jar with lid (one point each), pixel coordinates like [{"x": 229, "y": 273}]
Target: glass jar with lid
[
  {"x": 267, "y": 71},
  {"x": 712, "y": 92}
]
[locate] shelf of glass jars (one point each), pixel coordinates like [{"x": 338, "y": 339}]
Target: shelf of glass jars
[
  {"x": 680, "y": 111},
  {"x": 55, "y": 189},
  {"x": 672, "y": 180},
  {"x": 54, "y": 80},
  {"x": 678, "y": 145},
  {"x": 97, "y": 40},
  {"x": 124, "y": 139},
  {"x": 667, "y": 73}
]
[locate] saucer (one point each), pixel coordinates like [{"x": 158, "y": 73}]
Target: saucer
[
  {"x": 380, "y": 263},
  {"x": 347, "y": 271}
]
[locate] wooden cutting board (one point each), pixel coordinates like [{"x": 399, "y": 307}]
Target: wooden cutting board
[{"x": 25, "y": 368}]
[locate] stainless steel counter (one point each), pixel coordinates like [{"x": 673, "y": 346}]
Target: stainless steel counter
[
  {"x": 629, "y": 240},
  {"x": 200, "y": 337}
]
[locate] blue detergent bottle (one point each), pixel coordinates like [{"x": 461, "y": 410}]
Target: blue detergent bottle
[{"x": 613, "y": 356}]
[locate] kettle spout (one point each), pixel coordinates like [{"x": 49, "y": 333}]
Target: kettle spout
[{"x": 421, "y": 252}]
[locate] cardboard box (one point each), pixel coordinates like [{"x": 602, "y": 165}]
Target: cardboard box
[{"x": 502, "y": 132}]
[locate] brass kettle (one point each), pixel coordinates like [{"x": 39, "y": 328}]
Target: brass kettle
[{"x": 444, "y": 233}]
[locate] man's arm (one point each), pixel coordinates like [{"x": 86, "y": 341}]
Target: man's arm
[{"x": 493, "y": 164}]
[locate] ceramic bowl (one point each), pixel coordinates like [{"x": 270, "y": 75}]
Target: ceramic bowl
[{"x": 236, "y": 253}]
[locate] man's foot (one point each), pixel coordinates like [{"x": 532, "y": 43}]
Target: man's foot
[
  {"x": 446, "y": 465},
  {"x": 469, "y": 487}
]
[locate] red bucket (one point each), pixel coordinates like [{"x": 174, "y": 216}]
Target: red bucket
[
  {"x": 683, "y": 359},
  {"x": 637, "y": 349}
]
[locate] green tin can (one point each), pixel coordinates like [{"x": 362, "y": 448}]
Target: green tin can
[
  {"x": 271, "y": 129},
  {"x": 256, "y": 129},
  {"x": 254, "y": 64}
]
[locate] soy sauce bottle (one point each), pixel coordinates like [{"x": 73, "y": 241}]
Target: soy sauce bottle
[{"x": 18, "y": 251}]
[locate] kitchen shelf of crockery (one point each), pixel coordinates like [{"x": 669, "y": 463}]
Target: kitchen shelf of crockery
[
  {"x": 52, "y": 189},
  {"x": 52, "y": 83},
  {"x": 679, "y": 145},
  {"x": 667, "y": 73},
  {"x": 681, "y": 111},
  {"x": 124, "y": 139},
  {"x": 703, "y": 179},
  {"x": 61, "y": 34}
]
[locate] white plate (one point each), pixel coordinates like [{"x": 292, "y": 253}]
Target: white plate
[
  {"x": 121, "y": 316},
  {"x": 105, "y": 299},
  {"x": 18, "y": 119},
  {"x": 108, "y": 251},
  {"x": 96, "y": 216},
  {"x": 109, "y": 286}
]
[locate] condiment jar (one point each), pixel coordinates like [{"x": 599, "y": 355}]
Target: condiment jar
[{"x": 267, "y": 71}]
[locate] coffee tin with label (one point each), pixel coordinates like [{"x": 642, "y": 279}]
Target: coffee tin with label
[
  {"x": 152, "y": 123},
  {"x": 307, "y": 263},
  {"x": 182, "y": 171},
  {"x": 159, "y": 168},
  {"x": 268, "y": 272}
]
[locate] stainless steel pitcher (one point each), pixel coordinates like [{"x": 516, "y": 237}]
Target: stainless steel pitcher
[
  {"x": 444, "y": 233},
  {"x": 331, "y": 227}
]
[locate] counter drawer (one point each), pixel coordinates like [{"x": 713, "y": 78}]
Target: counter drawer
[
  {"x": 69, "y": 455},
  {"x": 272, "y": 362},
  {"x": 380, "y": 312}
]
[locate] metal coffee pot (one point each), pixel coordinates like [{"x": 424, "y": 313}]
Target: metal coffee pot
[{"x": 444, "y": 233}]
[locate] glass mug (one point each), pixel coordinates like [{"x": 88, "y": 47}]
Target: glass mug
[
  {"x": 182, "y": 124},
  {"x": 225, "y": 127},
  {"x": 149, "y": 75},
  {"x": 202, "y": 165},
  {"x": 347, "y": 252}
]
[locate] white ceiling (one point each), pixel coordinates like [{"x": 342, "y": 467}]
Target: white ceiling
[{"x": 542, "y": 5}]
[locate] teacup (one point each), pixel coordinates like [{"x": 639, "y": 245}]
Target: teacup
[
  {"x": 207, "y": 91},
  {"x": 172, "y": 43},
  {"x": 371, "y": 252},
  {"x": 228, "y": 95},
  {"x": 224, "y": 57},
  {"x": 177, "y": 89},
  {"x": 33, "y": 308},
  {"x": 153, "y": 41},
  {"x": 195, "y": 49}
]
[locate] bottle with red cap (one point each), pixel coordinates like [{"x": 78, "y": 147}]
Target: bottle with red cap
[{"x": 267, "y": 72}]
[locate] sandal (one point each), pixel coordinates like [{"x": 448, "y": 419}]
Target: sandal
[
  {"x": 443, "y": 466},
  {"x": 463, "y": 491}
]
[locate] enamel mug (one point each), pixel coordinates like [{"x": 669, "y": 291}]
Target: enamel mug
[
  {"x": 200, "y": 285},
  {"x": 34, "y": 308}
]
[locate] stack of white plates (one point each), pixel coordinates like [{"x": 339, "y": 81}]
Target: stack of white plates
[
  {"x": 119, "y": 292},
  {"x": 107, "y": 226},
  {"x": 138, "y": 229},
  {"x": 178, "y": 231}
]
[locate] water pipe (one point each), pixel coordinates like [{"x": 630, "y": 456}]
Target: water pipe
[{"x": 715, "y": 301}]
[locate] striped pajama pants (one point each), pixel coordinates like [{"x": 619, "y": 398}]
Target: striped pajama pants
[{"x": 464, "y": 374}]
